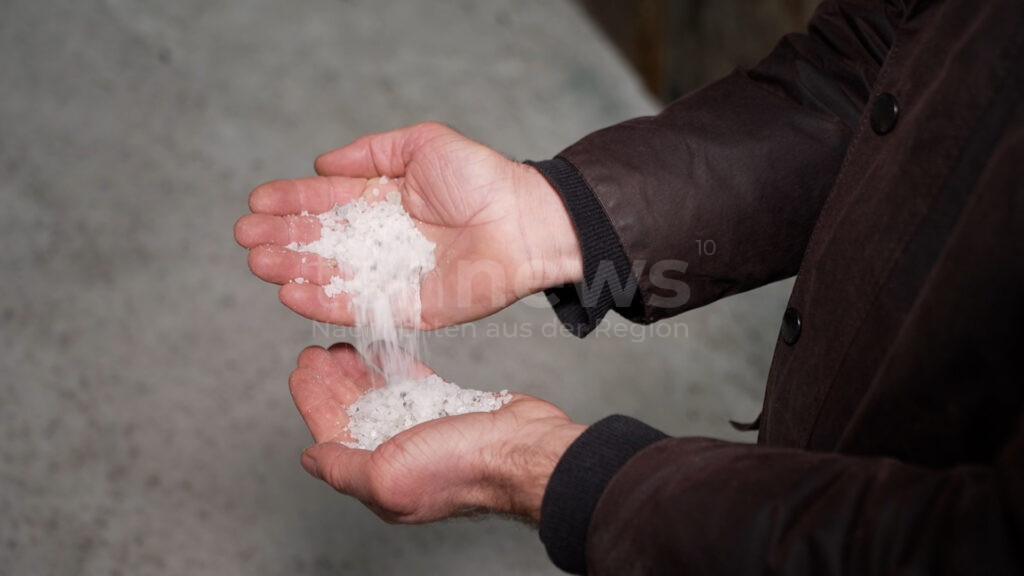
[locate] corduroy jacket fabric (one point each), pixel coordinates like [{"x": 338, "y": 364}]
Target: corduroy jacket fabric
[{"x": 878, "y": 158}]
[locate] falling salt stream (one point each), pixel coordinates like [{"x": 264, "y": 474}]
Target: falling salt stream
[{"x": 381, "y": 258}]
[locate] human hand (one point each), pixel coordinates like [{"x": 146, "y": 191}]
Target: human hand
[
  {"x": 501, "y": 230},
  {"x": 490, "y": 461}
]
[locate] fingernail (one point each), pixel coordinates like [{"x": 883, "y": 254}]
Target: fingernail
[{"x": 309, "y": 464}]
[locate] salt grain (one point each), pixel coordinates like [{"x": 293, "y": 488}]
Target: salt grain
[
  {"x": 382, "y": 413},
  {"x": 380, "y": 247},
  {"x": 382, "y": 258}
]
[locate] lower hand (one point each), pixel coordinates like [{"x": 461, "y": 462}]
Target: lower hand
[{"x": 493, "y": 461}]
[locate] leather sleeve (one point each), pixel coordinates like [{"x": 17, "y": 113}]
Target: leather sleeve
[
  {"x": 697, "y": 506},
  {"x": 719, "y": 193}
]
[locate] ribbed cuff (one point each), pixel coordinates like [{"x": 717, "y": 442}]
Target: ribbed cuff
[
  {"x": 578, "y": 481},
  {"x": 608, "y": 281}
]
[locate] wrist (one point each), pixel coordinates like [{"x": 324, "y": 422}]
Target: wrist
[
  {"x": 553, "y": 249},
  {"x": 525, "y": 463}
]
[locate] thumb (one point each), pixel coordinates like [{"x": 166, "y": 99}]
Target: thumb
[
  {"x": 381, "y": 154},
  {"x": 347, "y": 470}
]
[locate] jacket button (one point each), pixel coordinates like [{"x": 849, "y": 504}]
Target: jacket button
[
  {"x": 884, "y": 112},
  {"x": 791, "y": 325}
]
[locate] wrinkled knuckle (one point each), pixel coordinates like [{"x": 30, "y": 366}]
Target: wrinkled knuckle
[
  {"x": 387, "y": 456},
  {"x": 334, "y": 478},
  {"x": 388, "y": 490}
]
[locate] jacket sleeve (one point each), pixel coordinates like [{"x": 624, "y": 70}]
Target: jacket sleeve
[
  {"x": 699, "y": 506},
  {"x": 719, "y": 193}
]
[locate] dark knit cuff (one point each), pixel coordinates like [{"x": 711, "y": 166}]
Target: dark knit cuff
[
  {"x": 578, "y": 481},
  {"x": 608, "y": 281}
]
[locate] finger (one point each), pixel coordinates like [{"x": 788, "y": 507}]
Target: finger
[
  {"x": 322, "y": 362},
  {"x": 313, "y": 195},
  {"x": 281, "y": 265},
  {"x": 318, "y": 404},
  {"x": 348, "y": 360},
  {"x": 310, "y": 301},
  {"x": 436, "y": 311},
  {"x": 382, "y": 154},
  {"x": 339, "y": 385},
  {"x": 254, "y": 230},
  {"x": 346, "y": 469},
  {"x": 317, "y": 359}
]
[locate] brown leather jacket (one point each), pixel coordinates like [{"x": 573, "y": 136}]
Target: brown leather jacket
[{"x": 879, "y": 159}]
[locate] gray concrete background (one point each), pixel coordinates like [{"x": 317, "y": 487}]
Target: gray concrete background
[{"x": 145, "y": 422}]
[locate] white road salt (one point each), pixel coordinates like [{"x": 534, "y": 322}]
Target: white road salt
[
  {"x": 382, "y": 257},
  {"x": 384, "y": 412}
]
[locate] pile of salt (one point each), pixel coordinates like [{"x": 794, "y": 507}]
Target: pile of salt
[
  {"x": 382, "y": 257},
  {"x": 382, "y": 413}
]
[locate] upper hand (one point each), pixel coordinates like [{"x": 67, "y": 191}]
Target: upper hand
[
  {"x": 493, "y": 461},
  {"x": 502, "y": 232}
]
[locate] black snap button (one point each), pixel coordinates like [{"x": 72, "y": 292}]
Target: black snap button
[
  {"x": 791, "y": 326},
  {"x": 884, "y": 112}
]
